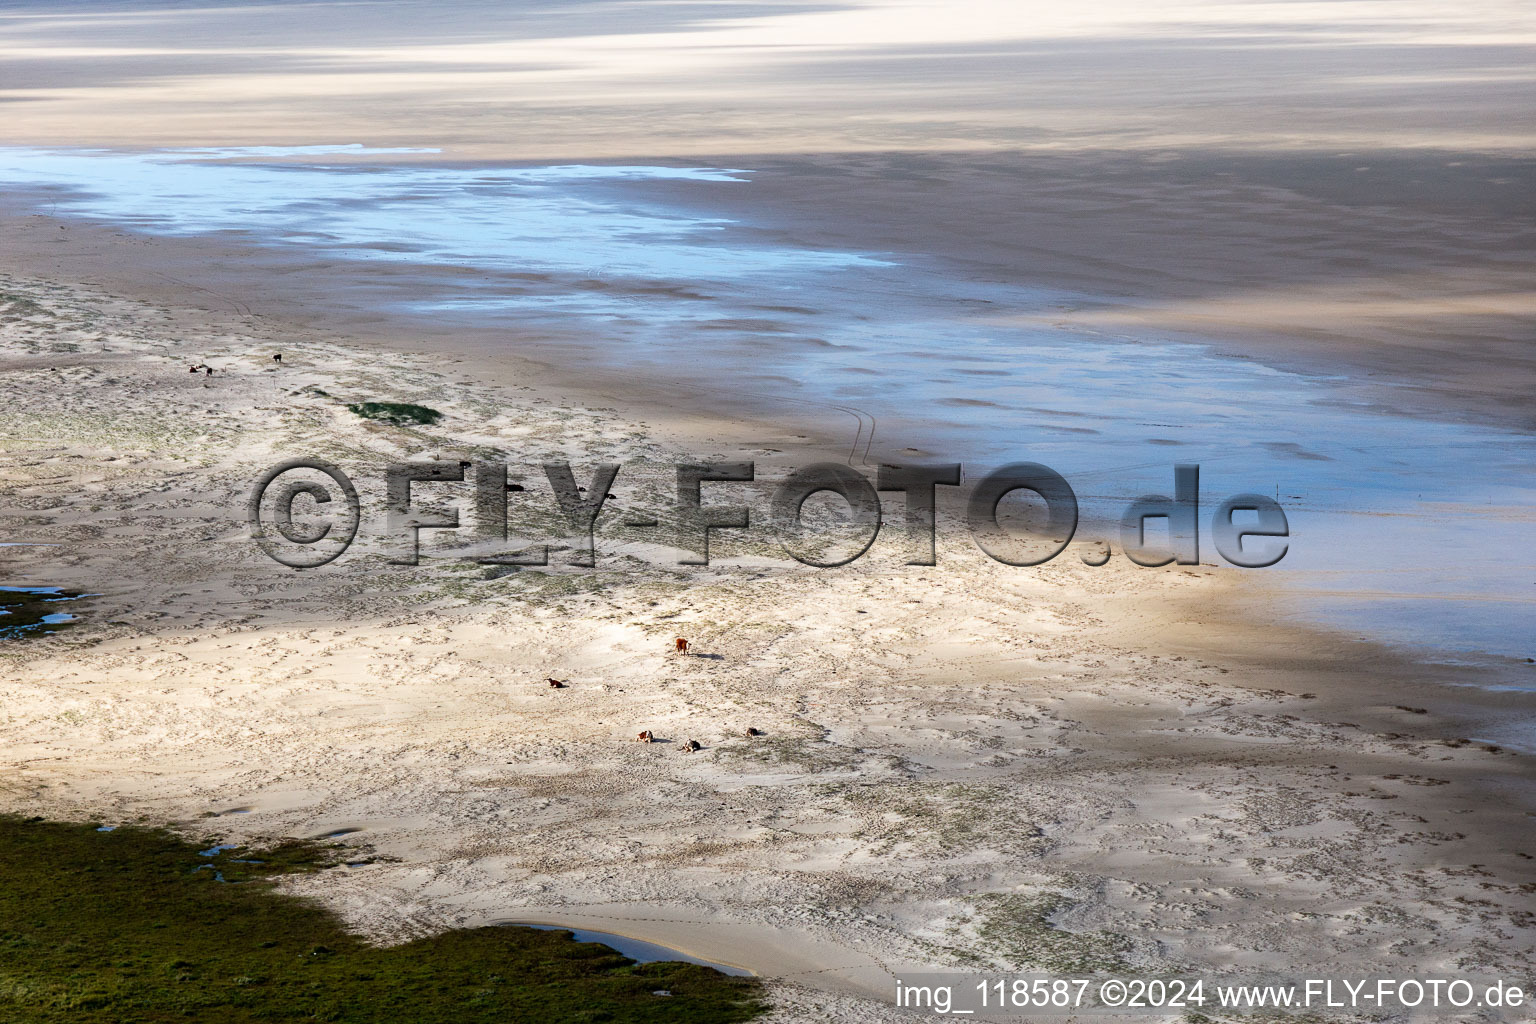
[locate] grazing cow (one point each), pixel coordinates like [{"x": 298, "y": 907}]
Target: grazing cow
[
  {"x": 555, "y": 684},
  {"x": 690, "y": 746},
  {"x": 751, "y": 731},
  {"x": 682, "y": 646},
  {"x": 646, "y": 737},
  {"x": 192, "y": 369}
]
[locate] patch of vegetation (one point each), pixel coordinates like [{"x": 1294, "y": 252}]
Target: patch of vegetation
[
  {"x": 19, "y": 307},
  {"x": 960, "y": 818},
  {"x": 400, "y": 414},
  {"x": 1018, "y": 928},
  {"x": 802, "y": 753},
  {"x": 135, "y": 925}
]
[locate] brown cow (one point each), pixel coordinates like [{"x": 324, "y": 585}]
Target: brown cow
[
  {"x": 555, "y": 684},
  {"x": 690, "y": 746},
  {"x": 646, "y": 737},
  {"x": 682, "y": 646},
  {"x": 752, "y": 731}
]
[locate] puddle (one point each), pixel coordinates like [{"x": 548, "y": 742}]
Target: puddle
[
  {"x": 635, "y": 949},
  {"x": 34, "y": 611},
  {"x": 214, "y": 851}
]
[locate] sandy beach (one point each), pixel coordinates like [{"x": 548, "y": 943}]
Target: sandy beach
[{"x": 971, "y": 765}]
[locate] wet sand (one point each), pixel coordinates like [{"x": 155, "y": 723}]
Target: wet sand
[
  {"x": 575, "y": 81},
  {"x": 1412, "y": 279},
  {"x": 1409, "y": 270}
]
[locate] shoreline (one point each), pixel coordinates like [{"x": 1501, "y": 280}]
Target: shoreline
[
  {"x": 1473, "y": 468},
  {"x": 1430, "y": 339}
]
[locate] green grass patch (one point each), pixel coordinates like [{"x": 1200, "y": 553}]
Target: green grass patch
[
  {"x": 401, "y": 414},
  {"x": 1018, "y": 928},
  {"x": 134, "y": 925}
]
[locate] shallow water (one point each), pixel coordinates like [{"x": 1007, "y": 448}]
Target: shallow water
[
  {"x": 636, "y": 949},
  {"x": 29, "y": 611},
  {"x": 1413, "y": 530},
  {"x": 546, "y": 220}
]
